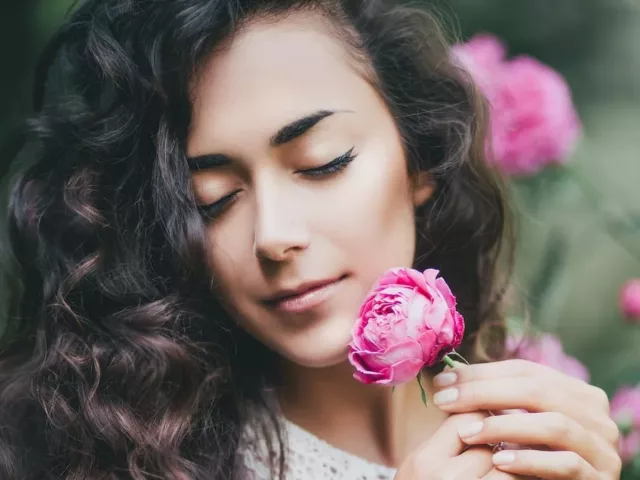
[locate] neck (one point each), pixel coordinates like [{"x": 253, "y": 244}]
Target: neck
[{"x": 369, "y": 421}]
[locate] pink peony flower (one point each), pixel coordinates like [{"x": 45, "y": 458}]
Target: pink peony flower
[
  {"x": 630, "y": 299},
  {"x": 625, "y": 410},
  {"x": 533, "y": 122},
  {"x": 547, "y": 350},
  {"x": 481, "y": 57},
  {"x": 408, "y": 321}
]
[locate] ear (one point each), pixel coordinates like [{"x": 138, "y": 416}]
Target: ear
[{"x": 423, "y": 188}]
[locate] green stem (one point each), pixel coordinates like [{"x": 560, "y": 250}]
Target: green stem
[
  {"x": 422, "y": 392},
  {"x": 449, "y": 361}
]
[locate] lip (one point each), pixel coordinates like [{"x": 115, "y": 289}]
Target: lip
[{"x": 305, "y": 296}]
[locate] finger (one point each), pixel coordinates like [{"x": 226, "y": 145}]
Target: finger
[
  {"x": 496, "y": 474},
  {"x": 547, "y": 465},
  {"x": 445, "y": 442},
  {"x": 508, "y": 368},
  {"x": 511, "y": 411},
  {"x": 523, "y": 368},
  {"x": 550, "y": 429},
  {"x": 517, "y": 392},
  {"x": 527, "y": 395},
  {"x": 500, "y": 394},
  {"x": 441, "y": 381},
  {"x": 473, "y": 463}
]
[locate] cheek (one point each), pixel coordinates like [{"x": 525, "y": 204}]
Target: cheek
[
  {"x": 230, "y": 256},
  {"x": 236, "y": 272},
  {"x": 374, "y": 214},
  {"x": 364, "y": 222}
]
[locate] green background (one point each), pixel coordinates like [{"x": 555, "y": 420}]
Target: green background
[{"x": 595, "y": 44}]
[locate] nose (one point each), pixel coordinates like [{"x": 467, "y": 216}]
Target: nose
[{"x": 280, "y": 229}]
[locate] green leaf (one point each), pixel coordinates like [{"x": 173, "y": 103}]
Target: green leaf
[{"x": 422, "y": 392}]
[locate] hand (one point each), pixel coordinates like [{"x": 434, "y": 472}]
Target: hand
[
  {"x": 445, "y": 457},
  {"x": 569, "y": 425}
]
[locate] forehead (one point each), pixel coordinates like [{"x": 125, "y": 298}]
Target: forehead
[{"x": 269, "y": 74}]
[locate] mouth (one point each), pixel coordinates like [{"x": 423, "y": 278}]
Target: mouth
[{"x": 304, "y": 297}]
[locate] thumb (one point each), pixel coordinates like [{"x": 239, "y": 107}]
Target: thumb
[{"x": 445, "y": 441}]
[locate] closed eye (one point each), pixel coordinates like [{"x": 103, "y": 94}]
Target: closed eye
[
  {"x": 334, "y": 166},
  {"x": 214, "y": 209}
]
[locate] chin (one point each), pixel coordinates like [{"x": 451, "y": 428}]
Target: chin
[
  {"x": 324, "y": 346},
  {"x": 320, "y": 358}
]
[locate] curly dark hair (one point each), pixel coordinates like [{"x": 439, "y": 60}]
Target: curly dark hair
[{"x": 117, "y": 362}]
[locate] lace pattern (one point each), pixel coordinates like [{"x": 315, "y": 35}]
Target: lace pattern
[{"x": 308, "y": 458}]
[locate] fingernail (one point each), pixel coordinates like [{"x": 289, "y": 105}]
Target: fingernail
[
  {"x": 470, "y": 430},
  {"x": 445, "y": 379},
  {"x": 504, "y": 458},
  {"x": 449, "y": 395}
]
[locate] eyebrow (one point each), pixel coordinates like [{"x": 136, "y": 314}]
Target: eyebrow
[
  {"x": 299, "y": 127},
  {"x": 286, "y": 134}
]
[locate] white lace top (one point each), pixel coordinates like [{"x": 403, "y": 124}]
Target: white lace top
[{"x": 309, "y": 458}]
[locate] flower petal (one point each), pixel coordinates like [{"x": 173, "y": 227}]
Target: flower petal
[
  {"x": 376, "y": 361},
  {"x": 369, "y": 378},
  {"x": 445, "y": 291},
  {"x": 415, "y": 315},
  {"x": 361, "y": 365},
  {"x": 405, "y": 371},
  {"x": 359, "y": 341},
  {"x": 421, "y": 280},
  {"x": 428, "y": 343},
  {"x": 430, "y": 277}
]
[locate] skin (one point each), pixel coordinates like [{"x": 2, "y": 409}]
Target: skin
[
  {"x": 285, "y": 226},
  {"x": 568, "y": 417}
]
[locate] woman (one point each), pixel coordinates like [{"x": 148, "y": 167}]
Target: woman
[{"x": 213, "y": 187}]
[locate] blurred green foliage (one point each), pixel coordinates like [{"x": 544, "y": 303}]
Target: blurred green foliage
[
  {"x": 569, "y": 266},
  {"x": 594, "y": 44}
]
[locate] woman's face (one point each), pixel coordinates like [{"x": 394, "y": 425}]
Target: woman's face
[{"x": 301, "y": 169}]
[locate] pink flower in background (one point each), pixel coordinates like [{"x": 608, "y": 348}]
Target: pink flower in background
[
  {"x": 625, "y": 410},
  {"x": 408, "y": 321},
  {"x": 547, "y": 350},
  {"x": 630, "y": 299},
  {"x": 481, "y": 56},
  {"x": 533, "y": 122}
]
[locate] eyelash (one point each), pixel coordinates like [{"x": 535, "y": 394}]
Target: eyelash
[
  {"x": 334, "y": 166},
  {"x": 213, "y": 210}
]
